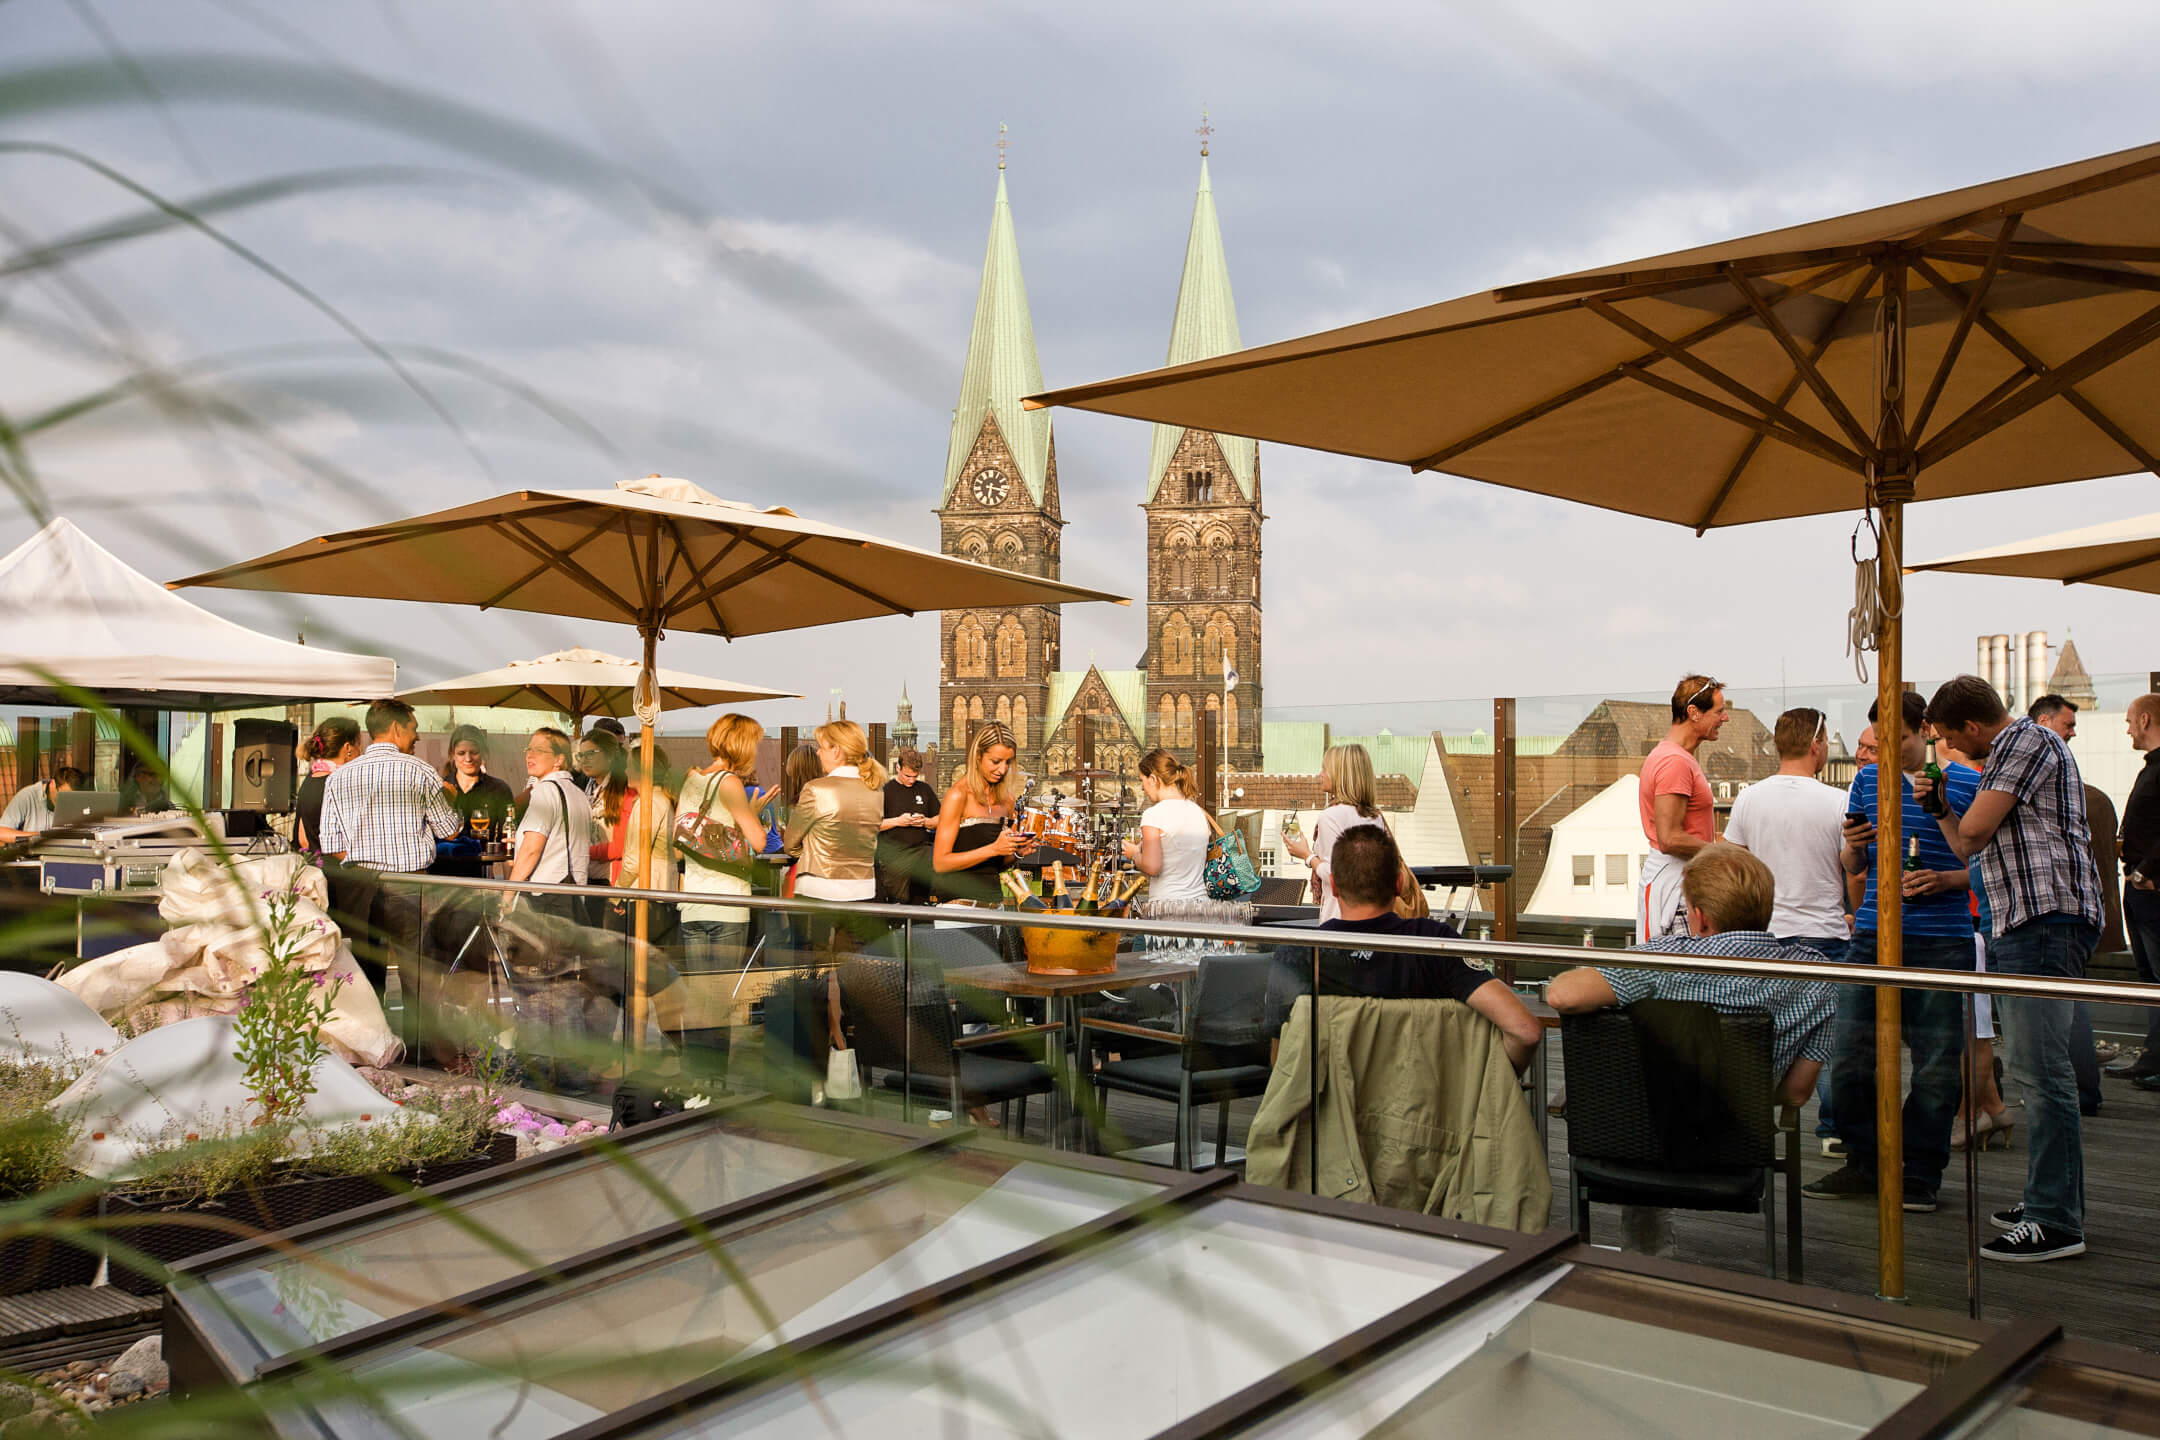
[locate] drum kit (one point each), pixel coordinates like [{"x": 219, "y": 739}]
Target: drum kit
[{"x": 1087, "y": 826}]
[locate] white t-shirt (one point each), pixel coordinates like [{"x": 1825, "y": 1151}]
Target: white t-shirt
[
  {"x": 558, "y": 809},
  {"x": 1185, "y": 836},
  {"x": 1796, "y": 825},
  {"x": 1332, "y": 822}
]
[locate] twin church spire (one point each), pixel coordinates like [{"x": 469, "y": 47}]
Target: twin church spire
[{"x": 999, "y": 503}]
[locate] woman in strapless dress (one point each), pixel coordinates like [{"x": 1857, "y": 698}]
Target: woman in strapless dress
[{"x": 974, "y": 842}]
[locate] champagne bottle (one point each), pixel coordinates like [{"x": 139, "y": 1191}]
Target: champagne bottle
[
  {"x": 1935, "y": 803},
  {"x": 1057, "y": 881},
  {"x": 1088, "y": 905},
  {"x": 1023, "y": 897}
]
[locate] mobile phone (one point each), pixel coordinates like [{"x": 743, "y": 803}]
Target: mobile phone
[{"x": 1856, "y": 817}]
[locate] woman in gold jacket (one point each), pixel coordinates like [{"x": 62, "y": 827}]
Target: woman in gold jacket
[{"x": 833, "y": 828}]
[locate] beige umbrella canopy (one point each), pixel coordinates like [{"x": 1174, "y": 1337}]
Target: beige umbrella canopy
[
  {"x": 1986, "y": 339},
  {"x": 656, "y": 553},
  {"x": 2123, "y": 553},
  {"x": 580, "y": 683}
]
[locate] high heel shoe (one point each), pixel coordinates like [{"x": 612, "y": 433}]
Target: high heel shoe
[{"x": 1990, "y": 1128}]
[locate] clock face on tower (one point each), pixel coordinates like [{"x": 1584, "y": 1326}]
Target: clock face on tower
[{"x": 990, "y": 487}]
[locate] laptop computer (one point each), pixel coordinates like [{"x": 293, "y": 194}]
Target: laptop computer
[{"x": 80, "y": 807}]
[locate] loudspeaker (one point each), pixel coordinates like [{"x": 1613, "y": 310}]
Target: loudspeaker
[{"x": 263, "y": 765}]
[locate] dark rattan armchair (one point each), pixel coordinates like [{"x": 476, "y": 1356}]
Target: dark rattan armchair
[
  {"x": 1221, "y": 1055},
  {"x": 1672, "y": 1104}
]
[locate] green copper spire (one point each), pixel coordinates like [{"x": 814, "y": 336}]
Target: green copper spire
[
  {"x": 1206, "y": 326},
  {"x": 1001, "y": 364}
]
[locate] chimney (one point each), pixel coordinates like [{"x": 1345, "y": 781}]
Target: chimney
[
  {"x": 2036, "y": 667},
  {"x": 1998, "y": 671}
]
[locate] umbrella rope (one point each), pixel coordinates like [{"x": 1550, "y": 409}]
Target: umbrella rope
[{"x": 1864, "y": 622}]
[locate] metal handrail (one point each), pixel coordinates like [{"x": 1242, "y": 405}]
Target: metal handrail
[{"x": 1962, "y": 981}]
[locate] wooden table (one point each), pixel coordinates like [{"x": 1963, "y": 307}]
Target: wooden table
[{"x": 1057, "y": 993}]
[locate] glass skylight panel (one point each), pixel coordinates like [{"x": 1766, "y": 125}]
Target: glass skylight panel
[
  {"x": 1124, "y": 1340},
  {"x": 1599, "y": 1352},
  {"x": 2060, "y": 1400},
  {"x": 269, "y": 1304},
  {"x": 611, "y": 1338}
]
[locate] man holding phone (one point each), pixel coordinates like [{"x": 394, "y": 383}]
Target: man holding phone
[{"x": 1936, "y": 922}]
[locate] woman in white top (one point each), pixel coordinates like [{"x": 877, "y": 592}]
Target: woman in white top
[
  {"x": 713, "y": 935},
  {"x": 1174, "y": 831},
  {"x": 1351, "y": 796}
]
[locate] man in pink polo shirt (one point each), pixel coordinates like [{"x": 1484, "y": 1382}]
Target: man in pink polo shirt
[{"x": 1675, "y": 798}]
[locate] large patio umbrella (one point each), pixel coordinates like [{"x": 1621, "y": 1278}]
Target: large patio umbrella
[
  {"x": 656, "y": 553},
  {"x": 1985, "y": 339},
  {"x": 578, "y": 683},
  {"x": 2124, "y": 554}
]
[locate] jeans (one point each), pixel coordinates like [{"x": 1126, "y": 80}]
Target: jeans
[
  {"x": 1934, "y": 1027},
  {"x": 2039, "y": 1036},
  {"x": 2141, "y": 917},
  {"x": 1832, "y": 950},
  {"x": 383, "y": 923}
]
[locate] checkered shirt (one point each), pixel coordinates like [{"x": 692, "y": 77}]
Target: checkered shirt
[
  {"x": 1801, "y": 1011},
  {"x": 2039, "y": 860},
  {"x": 386, "y": 810}
]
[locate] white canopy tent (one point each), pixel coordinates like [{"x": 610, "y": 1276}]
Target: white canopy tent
[{"x": 71, "y": 608}]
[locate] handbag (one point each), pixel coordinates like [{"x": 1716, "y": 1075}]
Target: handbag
[
  {"x": 1230, "y": 873},
  {"x": 843, "y": 1079},
  {"x": 707, "y": 835}
]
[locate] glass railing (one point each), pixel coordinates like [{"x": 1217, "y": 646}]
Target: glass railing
[{"x": 1190, "y": 1050}]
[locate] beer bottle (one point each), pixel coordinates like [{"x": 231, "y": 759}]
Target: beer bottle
[
  {"x": 1937, "y": 802},
  {"x": 1912, "y": 853}
]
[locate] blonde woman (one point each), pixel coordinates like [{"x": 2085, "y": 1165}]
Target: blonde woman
[
  {"x": 713, "y": 935},
  {"x": 833, "y": 828},
  {"x": 1174, "y": 830},
  {"x": 663, "y": 872},
  {"x": 975, "y": 842},
  {"x": 1350, "y": 796}
]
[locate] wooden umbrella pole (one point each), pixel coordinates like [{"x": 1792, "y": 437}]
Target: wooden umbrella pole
[
  {"x": 643, "y": 840},
  {"x": 1893, "y": 487}
]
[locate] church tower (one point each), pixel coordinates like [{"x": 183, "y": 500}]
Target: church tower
[
  {"x": 1203, "y": 526},
  {"x": 999, "y": 506}
]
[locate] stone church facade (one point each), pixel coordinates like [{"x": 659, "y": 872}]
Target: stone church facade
[{"x": 1000, "y": 506}]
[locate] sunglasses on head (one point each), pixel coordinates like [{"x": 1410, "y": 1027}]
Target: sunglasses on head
[{"x": 1709, "y": 687}]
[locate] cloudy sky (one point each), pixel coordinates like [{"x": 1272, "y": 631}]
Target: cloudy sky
[{"x": 739, "y": 243}]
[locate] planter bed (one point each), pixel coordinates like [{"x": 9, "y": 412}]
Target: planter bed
[
  {"x": 47, "y": 1262},
  {"x": 144, "y": 1224}
]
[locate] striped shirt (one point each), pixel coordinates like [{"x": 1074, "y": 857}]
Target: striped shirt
[
  {"x": 1801, "y": 1011},
  {"x": 2039, "y": 860},
  {"x": 386, "y": 810}
]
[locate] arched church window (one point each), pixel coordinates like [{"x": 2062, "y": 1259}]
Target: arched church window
[
  {"x": 959, "y": 737},
  {"x": 1004, "y": 711},
  {"x": 1230, "y": 732},
  {"x": 1184, "y": 722},
  {"x": 1219, "y": 643},
  {"x": 1177, "y": 645},
  {"x": 1011, "y": 648},
  {"x": 970, "y": 650},
  {"x": 1215, "y": 574},
  {"x": 1020, "y": 721},
  {"x": 1008, "y": 552},
  {"x": 1178, "y": 571},
  {"x": 975, "y": 712},
  {"x": 1166, "y": 722}
]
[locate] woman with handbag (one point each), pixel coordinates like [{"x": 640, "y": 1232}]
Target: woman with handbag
[
  {"x": 716, "y": 833},
  {"x": 1351, "y": 795},
  {"x": 1172, "y": 850}
]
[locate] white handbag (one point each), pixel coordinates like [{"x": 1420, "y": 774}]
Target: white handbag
[{"x": 843, "y": 1080}]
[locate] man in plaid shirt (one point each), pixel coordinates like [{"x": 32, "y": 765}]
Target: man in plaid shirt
[
  {"x": 384, "y": 812},
  {"x": 2028, "y": 829}
]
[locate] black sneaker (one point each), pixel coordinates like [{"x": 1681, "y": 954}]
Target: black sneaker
[
  {"x": 1919, "y": 1199},
  {"x": 2146, "y": 1082},
  {"x": 2030, "y": 1241},
  {"x": 2008, "y": 1219},
  {"x": 1847, "y": 1182}
]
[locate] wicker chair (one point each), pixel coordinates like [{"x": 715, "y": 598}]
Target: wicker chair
[
  {"x": 1220, "y": 1056},
  {"x": 945, "y": 1064},
  {"x": 1656, "y": 1118}
]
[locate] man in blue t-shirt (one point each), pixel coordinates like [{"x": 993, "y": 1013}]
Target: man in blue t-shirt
[{"x": 1938, "y": 930}]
